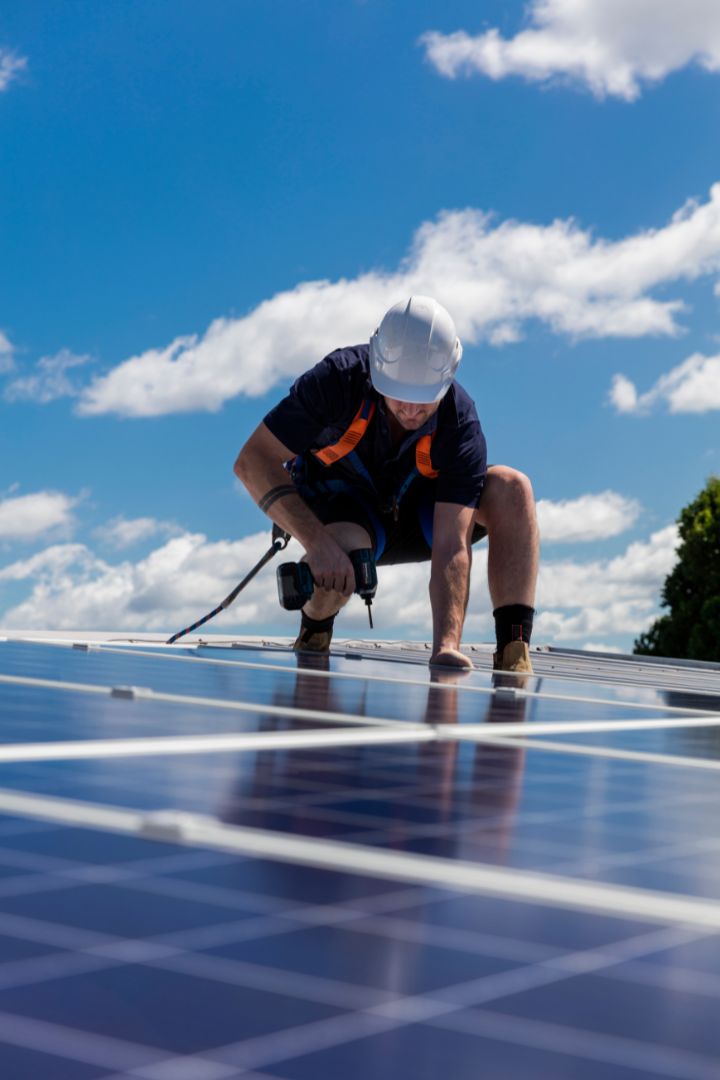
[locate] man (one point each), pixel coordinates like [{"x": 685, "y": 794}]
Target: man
[{"x": 385, "y": 451}]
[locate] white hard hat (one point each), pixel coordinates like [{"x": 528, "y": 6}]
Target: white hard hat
[{"x": 415, "y": 351}]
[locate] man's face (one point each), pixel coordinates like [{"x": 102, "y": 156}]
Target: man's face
[{"x": 410, "y": 416}]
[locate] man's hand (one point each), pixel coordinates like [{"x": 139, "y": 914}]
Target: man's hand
[
  {"x": 330, "y": 567},
  {"x": 451, "y": 658}
]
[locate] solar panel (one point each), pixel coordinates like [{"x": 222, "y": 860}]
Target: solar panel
[{"x": 220, "y": 860}]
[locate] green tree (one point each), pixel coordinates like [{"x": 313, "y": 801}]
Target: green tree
[{"x": 692, "y": 590}]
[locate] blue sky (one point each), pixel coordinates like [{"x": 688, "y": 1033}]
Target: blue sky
[{"x": 198, "y": 201}]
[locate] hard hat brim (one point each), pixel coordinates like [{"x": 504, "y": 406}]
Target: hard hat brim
[{"x": 416, "y": 395}]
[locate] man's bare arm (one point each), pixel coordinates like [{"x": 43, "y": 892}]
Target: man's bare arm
[
  {"x": 450, "y": 581},
  {"x": 259, "y": 466}
]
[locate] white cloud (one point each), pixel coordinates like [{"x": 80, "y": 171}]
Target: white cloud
[
  {"x": 691, "y": 387},
  {"x": 493, "y": 278},
  {"x": 28, "y": 517},
  {"x": 50, "y": 380},
  {"x": 173, "y": 586},
  {"x": 623, "y": 394},
  {"x": 605, "y": 596},
  {"x": 613, "y": 47},
  {"x": 53, "y": 561},
  {"x": 10, "y": 65},
  {"x": 590, "y": 517},
  {"x": 123, "y": 532},
  {"x": 71, "y": 588}
]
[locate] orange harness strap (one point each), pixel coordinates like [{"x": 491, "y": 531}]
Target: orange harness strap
[
  {"x": 347, "y": 443},
  {"x": 423, "y": 463}
]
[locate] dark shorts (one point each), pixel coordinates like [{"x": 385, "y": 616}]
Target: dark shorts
[{"x": 407, "y": 540}]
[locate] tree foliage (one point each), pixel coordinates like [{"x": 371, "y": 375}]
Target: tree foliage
[{"x": 691, "y": 591}]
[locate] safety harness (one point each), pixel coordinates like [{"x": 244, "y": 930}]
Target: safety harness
[{"x": 346, "y": 445}]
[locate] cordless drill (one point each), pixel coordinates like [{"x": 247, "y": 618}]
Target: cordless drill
[{"x": 296, "y": 585}]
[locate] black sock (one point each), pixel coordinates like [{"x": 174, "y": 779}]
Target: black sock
[
  {"x": 317, "y": 626},
  {"x": 514, "y": 622}
]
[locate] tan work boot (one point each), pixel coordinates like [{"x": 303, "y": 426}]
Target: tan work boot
[
  {"x": 315, "y": 635},
  {"x": 514, "y": 657}
]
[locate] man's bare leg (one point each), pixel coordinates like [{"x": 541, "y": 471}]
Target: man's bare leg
[{"x": 507, "y": 511}]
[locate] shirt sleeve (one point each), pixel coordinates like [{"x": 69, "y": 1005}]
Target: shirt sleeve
[
  {"x": 316, "y": 400},
  {"x": 462, "y": 464}
]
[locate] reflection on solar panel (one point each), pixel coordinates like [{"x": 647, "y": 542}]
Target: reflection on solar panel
[{"x": 220, "y": 859}]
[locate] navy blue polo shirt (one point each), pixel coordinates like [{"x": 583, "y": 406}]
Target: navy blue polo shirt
[{"x": 321, "y": 407}]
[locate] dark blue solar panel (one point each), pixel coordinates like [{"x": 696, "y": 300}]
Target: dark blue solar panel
[
  {"x": 125, "y": 957},
  {"x": 614, "y": 821},
  {"x": 290, "y": 971},
  {"x": 28, "y": 710}
]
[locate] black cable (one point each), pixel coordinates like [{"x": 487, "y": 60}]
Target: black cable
[{"x": 280, "y": 542}]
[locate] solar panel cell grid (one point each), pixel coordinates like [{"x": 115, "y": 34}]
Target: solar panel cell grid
[{"x": 585, "y": 939}]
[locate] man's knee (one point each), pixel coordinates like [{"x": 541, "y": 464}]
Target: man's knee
[
  {"x": 516, "y": 485},
  {"x": 507, "y": 491},
  {"x": 349, "y": 535}
]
